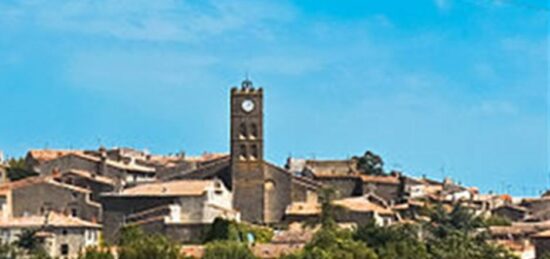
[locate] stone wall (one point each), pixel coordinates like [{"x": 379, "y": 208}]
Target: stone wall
[
  {"x": 115, "y": 209},
  {"x": 344, "y": 186},
  {"x": 38, "y": 198}
]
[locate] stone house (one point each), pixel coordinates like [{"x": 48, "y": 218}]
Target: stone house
[
  {"x": 352, "y": 210},
  {"x": 40, "y": 194},
  {"x": 542, "y": 244},
  {"x": 3, "y": 174},
  {"x": 386, "y": 187},
  {"x": 363, "y": 209},
  {"x": 61, "y": 236},
  {"x": 123, "y": 172},
  {"x": 180, "y": 209},
  {"x": 97, "y": 184},
  {"x": 511, "y": 212}
]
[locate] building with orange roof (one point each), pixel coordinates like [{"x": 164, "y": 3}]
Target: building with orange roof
[
  {"x": 39, "y": 194},
  {"x": 62, "y": 236},
  {"x": 179, "y": 209},
  {"x": 124, "y": 172}
]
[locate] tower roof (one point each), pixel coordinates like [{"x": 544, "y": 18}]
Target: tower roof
[{"x": 247, "y": 83}]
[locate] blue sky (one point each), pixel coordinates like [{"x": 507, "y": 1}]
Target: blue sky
[{"x": 437, "y": 87}]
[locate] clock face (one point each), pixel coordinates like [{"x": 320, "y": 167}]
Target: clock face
[{"x": 247, "y": 105}]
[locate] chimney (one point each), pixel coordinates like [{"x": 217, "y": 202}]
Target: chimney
[{"x": 102, "y": 165}]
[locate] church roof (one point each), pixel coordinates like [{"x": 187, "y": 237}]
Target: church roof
[{"x": 166, "y": 189}]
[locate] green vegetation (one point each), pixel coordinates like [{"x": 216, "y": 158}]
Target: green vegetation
[
  {"x": 227, "y": 250},
  {"x": 395, "y": 242},
  {"x": 228, "y": 230},
  {"x": 370, "y": 163},
  {"x": 135, "y": 244},
  {"x": 330, "y": 241},
  {"x": 96, "y": 253},
  {"x": 8, "y": 251},
  {"x": 496, "y": 220},
  {"x": 17, "y": 169}
]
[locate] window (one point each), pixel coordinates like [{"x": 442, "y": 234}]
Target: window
[
  {"x": 269, "y": 185},
  {"x": 74, "y": 212},
  {"x": 254, "y": 130},
  {"x": 64, "y": 249},
  {"x": 243, "y": 133},
  {"x": 254, "y": 152},
  {"x": 243, "y": 153}
]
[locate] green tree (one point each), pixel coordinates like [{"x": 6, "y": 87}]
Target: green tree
[
  {"x": 459, "y": 245},
  {"x": 17, "y": 169},
  {"x": 96, "y": 253},
  {"x": 227, "y": 250},
  {"x": 330, "y": 241},
  {"x": 28, "y": 241},
  {"x": 8, "y": 251},
  {"x": 395, "y": 242},
  {"x": 370, "y": 163},
  {"x": 135, "y": 244},
  {"x": 229, "y": 230}
]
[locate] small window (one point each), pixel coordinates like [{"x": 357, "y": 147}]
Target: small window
[
  {"x": 254, "y": 130},
  {"x": 243, "y": 132},
  {"x": 254, "y": 152},
  {"x": 64, "y": 249},
  {"x": 74, "y": 212},
  {"x": 269, "y": 185},
  {"x": 64, "y": 232},
  {"x": 243, "y": 153}
]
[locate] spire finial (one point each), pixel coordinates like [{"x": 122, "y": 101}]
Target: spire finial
[{"x": 247, "y": 83}]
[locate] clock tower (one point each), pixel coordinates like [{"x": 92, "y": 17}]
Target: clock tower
[{"x": 247, "y": 148}]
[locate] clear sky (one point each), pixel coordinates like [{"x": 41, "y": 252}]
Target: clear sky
[{"x": 437, "y": 87}]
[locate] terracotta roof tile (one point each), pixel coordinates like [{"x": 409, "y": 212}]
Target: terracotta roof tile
[
  {"x": 363, "y": 204},
  {"x": 170, "y": 188},
  {"x": 44, "y": 155},
  {"x": 303, "y": 208},
  {"x": 91, "y": 176},
  {"x": 53, "y": 219},
  {"x": 29, "y": 181},
  {"x": 380, "y": 179}
]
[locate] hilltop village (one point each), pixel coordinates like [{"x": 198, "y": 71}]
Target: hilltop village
[{"x": 76, "y": 199}]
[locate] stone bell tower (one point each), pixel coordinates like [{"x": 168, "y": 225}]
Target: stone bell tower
[{"x": 247, "y": 151}]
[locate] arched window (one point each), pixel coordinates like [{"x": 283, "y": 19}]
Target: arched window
[
  {"x": 243, "y": 131},
  {"x": 269, "y": 185},
  {"x": 254, "y": 152},
  {"x": 243, "y": 154},
  {"x": 254, "y": 130}
]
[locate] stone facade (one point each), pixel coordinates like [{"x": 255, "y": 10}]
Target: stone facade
[
  {"x": 95, "y": 183},
  {"x": 37, "y": 195},
  {"x": 166, "y": 206},
  {"x": 542, "y": 244},
  {"x": 61, "y": 236},
  {"x": 261, "y": 191},
  {"x": 123, "y": 173},
  {"x": 246, "y": 143}
]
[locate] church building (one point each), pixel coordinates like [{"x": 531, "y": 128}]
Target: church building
[{"x": 261, "y": 191}]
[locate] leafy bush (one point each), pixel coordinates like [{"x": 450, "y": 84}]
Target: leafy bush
[
  {"x": 228, "y": 230},
  {"x": 227, "y": 250},
  {"x": 134, "y": 244}
]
